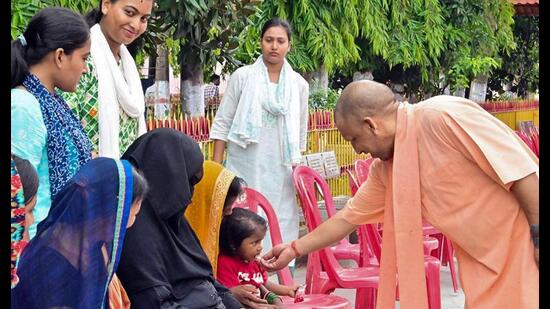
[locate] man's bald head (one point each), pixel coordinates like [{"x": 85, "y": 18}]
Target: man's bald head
[{"x": 365, "y": 98}]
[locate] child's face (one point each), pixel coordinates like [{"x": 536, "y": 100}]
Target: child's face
[
  {"x": 252, "y": 245},
  {"x": 29, "y": 218},
  {"x": 136, "y": 207}
]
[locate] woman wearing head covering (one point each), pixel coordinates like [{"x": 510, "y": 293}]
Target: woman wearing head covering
[
  {"x": 162, "y": 262},
  {"x": 212, "y": 199},
  {"x": 75, "y": 253},
  {"x": 17, "y": 221}
]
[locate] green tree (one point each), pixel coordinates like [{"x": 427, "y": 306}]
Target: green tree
[
  {"x": 431, "y": 45},
  {"x": 521, "y": 67},
  {"x": 206, "y": 33},
  {"x": 23, "y": 10},
  {"x": 476, "y": 33}
]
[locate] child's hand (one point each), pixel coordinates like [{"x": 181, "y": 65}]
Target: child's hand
[
  {"x": 247, "y": 295},
  {"x": 291, "y": 290}
]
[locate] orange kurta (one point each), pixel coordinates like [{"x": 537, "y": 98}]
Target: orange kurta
[
  {"x": 467, "y": 162},
  {"x": 118, "y": 299}
]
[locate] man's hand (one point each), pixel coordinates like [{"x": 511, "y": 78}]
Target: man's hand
[
  {"x": 247, "y": 295},
  {"x": 277, "y": 258},
  {"x": 290, "y": 290}
]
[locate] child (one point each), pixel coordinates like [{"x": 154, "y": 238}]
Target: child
[
  {"x": 241, "y": 236},
  {"x": 24, "y": 185},
  {"x": 29, "y": 181}
]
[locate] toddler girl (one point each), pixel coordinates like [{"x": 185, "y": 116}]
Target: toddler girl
[{"x": 241, "y": 235}]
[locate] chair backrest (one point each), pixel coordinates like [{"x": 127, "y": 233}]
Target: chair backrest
[
  {"x": 368, "y": 233},
  {"x": 369, "y": 236},
  {"x": 306, "y": 180},
  {"x": 353, "y": 184},
  {"x": 252, "y": 201},
  {"x": 531, "y": 139},
  {"x": 362, "y": 168}
]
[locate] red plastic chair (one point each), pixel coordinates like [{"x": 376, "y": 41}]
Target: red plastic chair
[
  {"x": 531, "y": 140},
  {"x": 362, "y": 168},
  {"x": 344, "y": 250},
  {"x": 445, "y": 253},
  {"x": 321, "y": 301},
  {"x": 305, "y": 180},
  {"x": 363, "y": 279},
  {"x": 353, "y": 183}
]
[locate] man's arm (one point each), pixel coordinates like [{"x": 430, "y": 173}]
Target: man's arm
[
  {"x": 526, "y": 191},
  {"x": 329, "y": 232}
]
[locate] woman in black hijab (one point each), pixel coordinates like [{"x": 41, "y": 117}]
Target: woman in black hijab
[{"x": 162, "y": 263}]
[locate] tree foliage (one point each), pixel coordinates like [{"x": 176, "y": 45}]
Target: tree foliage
[
  {"x": 205, "y": 30},
  {"x": 408, "y": 33},
  {"x": 476, "y": 33},
  {"x": 23, "y": 10},
  {"x": 459, "y": 40},
  {"x": 521, "y": 67}
]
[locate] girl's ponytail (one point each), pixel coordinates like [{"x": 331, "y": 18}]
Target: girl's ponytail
[{"x": 19, "y": 67}]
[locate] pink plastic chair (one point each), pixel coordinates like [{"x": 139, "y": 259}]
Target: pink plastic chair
[
  {"x": 353, "y": 183},
  {"x": 363, "y": 279},
  {"x": 531, "y": 139},
  {"x": 321, "y": 301},
  {"x": 305, "y": 180},
  {"x": 438, "y": 242},
  {"x": 362, "y": 168},
  {"x": 445, "y": 253}
]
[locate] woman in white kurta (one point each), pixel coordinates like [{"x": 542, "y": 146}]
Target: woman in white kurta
[{"x": 263, "y": 121}]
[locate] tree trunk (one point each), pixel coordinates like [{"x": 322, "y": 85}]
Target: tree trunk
[
  {"x": 152, "y": 65},
  {"x": 319, "y": 80},
  {"x": 161, "y": 67},
  {"x": 461, "y": 92},
  {"x": 157, "y": 96},
  {"x": 192, "y": 90},
  {"x": 363, "y": 75},
  {"x": 478, "y": 89}
]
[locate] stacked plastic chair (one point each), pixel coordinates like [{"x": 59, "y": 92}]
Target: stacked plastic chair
[{"x": 306, "y": 180}]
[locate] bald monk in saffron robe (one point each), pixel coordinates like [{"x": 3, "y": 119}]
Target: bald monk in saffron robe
[{"x": 449, "y": 162}]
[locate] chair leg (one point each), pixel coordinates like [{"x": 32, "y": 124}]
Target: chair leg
[
  {"x": 365, "y": 298},
  {"x": 433, "y": 284},
  {"x": 450, "y": 258}
]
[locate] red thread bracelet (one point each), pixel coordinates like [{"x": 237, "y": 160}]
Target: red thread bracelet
[{"x": 293, "y": 246}]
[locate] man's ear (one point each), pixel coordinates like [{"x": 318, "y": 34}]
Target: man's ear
[
  {"x": 371, "y": 123},
  {"x": 59, "y": 57}
]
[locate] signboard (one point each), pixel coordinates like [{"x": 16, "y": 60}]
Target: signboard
[
  {"x": 332, "y": 169},
  {"x": 315, "y": 161},
  {"x": 324, "y": 163}
]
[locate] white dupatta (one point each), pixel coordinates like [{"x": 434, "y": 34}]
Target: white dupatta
[
  {"x": 247, "y": 123},
  {"x": 116, "y": 89}
]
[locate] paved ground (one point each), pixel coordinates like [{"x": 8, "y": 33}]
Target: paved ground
[{"x": 449, "y": 299}]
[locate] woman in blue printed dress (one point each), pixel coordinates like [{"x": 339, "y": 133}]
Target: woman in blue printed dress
[{"x": 49, "y": 56}]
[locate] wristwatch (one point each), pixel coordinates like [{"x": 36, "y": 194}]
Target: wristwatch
[{"x": 534, "y": 228}]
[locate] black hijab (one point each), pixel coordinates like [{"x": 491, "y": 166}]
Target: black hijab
[{"x": 161, "y": 248}]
